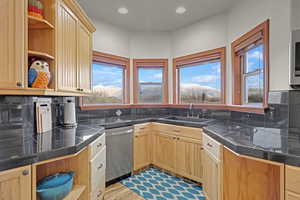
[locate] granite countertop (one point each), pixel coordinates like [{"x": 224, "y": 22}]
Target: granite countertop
[
  {"x": 274, "y": 144},
  {"x": 279, "y": 145},
  {"x": 19, "y": 149}
]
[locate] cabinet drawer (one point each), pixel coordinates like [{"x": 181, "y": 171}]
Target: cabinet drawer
[
  {"x": 98, "y": 165},
  {"x": 195, "y": 133},
  {"x": 292, "y": 176},
  {"x": 291, "y": 196},
  {"x": 98, "y": 193},
  {"x": 141, "y": 128},
  {"x": 212, "y": 146},
  {"x": 97, "y": 146}
]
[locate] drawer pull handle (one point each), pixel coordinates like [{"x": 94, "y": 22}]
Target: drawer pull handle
[
  {"x": 25, "y": 172},
  {"x": 99, "y": 145},
  {"x": 177, "y": 131},
  {"x": 101, "y": 165},
  {"x": 208, "y": 144},
  {"x": 99, "y": 194}
]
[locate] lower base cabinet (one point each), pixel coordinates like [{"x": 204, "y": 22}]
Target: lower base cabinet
[
  {"x": 165, "y": 151},
  {"x": 292, "y": 183},
  {"x": 189, "y": 158},
  {"x": 247, "y": 178},
  {"x": 211, "y": 174},
  {"x": 162, "y": 146},
  {"x": 16, "y": 184}
]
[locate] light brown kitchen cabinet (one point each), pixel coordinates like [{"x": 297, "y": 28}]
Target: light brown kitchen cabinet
[
  {"x": 84, "y": 55},
  {"x": 165, "y": 151},
  {"x": 292, "y": 183},
  {"x": 66, "y": 49},
  {"x": 247, "y": 178},
  {"x": 12, "y": 48},
  {"x": 63, "y": 38},
  {"x": 211, "y": 173},
  {"x": 189, "y": 158},
  {"x": 16, "y": 184},
  {"x": 141, "y": 150}
]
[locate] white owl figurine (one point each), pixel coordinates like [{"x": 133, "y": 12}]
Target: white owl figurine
[{"x": 39, "y": 74}]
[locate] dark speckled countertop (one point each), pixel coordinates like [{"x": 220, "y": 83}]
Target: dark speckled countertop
[
  {"x": 19, "y": 149},
  {"x": 279, "y": 145}
]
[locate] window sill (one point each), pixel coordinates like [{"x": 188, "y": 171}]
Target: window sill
[
  {"x": 111, "y": 106},
  {"x": 247, "y": 108}
]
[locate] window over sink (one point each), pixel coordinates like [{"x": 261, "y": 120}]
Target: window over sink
[{"x": 200, "y": 78}]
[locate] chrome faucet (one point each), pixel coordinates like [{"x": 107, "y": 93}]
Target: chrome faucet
[{"x": 190, "y": 112}]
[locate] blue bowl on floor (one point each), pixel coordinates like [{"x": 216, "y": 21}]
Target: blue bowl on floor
[{"x": 55, "y": 187}]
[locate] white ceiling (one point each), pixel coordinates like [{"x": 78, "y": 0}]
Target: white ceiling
[{"x": 153, "y": 15}]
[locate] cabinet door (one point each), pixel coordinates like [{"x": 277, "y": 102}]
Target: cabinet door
[
  {"x": 84, "y": 58},
  {"x": 250, "y": 178},
  {"x": 189, "y": 158},
  {"x": 66, "y": 49},
  {"x": 292, "y": 196},
  {"x": 210, "y": 176},
  {"x": 141, "y": 151},
  {"x": 16, "y": 184},
  {"x": 165, "y": 151},
  {"x": 12, "y": 37}
]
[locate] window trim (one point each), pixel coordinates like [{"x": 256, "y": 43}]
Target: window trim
[
  {"x": 112, "y": 60},
  {"x": 150, "y": 63},
  {"x": 205, "y": 56},
  {"x": 259, "y": 33}
]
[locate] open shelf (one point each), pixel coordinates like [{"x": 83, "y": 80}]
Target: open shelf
[
  {"x": 40, "y": 54},
  {"x": 75, "y": 193},
  {"x": 37, "y": 23}
]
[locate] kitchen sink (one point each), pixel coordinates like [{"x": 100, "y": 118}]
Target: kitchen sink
[{"x": 188, "y": 119}]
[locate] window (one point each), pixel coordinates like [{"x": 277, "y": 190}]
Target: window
[
  {"x": 199, "y": 78},
  {"x": 150, "y": 80},
  {"x": 109, "y": 81},
  {"x": 250, "y": 67}
]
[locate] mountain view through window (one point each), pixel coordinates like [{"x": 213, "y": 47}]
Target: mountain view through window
[{"x": 200, "y": 83}]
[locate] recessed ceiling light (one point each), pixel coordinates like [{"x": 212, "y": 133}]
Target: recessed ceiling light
[
  {"x": 180, "y": 10},
  {"x": 123, "y": 10}
]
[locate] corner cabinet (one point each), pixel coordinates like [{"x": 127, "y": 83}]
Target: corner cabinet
[
  {"x": 251, "y": 178},
  {"x": 63, "y": 38},
  {"x": 16, "y": 184},
  {"x": 12, "y": 36}
]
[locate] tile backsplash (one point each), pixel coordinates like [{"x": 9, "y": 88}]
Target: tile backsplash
[{"x": 283, "y": 112}]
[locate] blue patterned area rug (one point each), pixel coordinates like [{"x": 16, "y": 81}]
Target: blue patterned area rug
[{"x": 153, "y": 184}]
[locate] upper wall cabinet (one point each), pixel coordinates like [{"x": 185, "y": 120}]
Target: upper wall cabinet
[
  {"x": 60, "y": 35},
  {"x": 66, "y": 49},
  {"x": 12, "y": 34}
]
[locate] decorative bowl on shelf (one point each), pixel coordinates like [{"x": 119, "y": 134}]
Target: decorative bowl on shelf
[{"x": 55, "y": 187}]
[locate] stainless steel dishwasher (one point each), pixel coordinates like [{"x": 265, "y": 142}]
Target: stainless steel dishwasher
[{"x": 119, "y": 150}]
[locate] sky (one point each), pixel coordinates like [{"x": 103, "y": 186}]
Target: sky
[
  {"x": 107, "y": 75},
  {"x": 206, "y": 74}
]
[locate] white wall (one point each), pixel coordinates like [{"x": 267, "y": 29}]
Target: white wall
[
  {"x": 207, "y": 34},
  {"x": 213, "y": 32},
  {"x": 111, "y": 39},
  {"x": 151, "y": 45},
  {"x": 247, "y": 14}
]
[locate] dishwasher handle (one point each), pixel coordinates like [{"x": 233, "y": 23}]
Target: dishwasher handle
[{"x": 123, "y": 132}]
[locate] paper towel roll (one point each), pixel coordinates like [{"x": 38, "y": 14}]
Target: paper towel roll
[{"x": 69, "y": 114}]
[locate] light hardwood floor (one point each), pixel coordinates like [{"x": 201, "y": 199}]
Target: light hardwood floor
[{"x": 120, "y": 192}]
